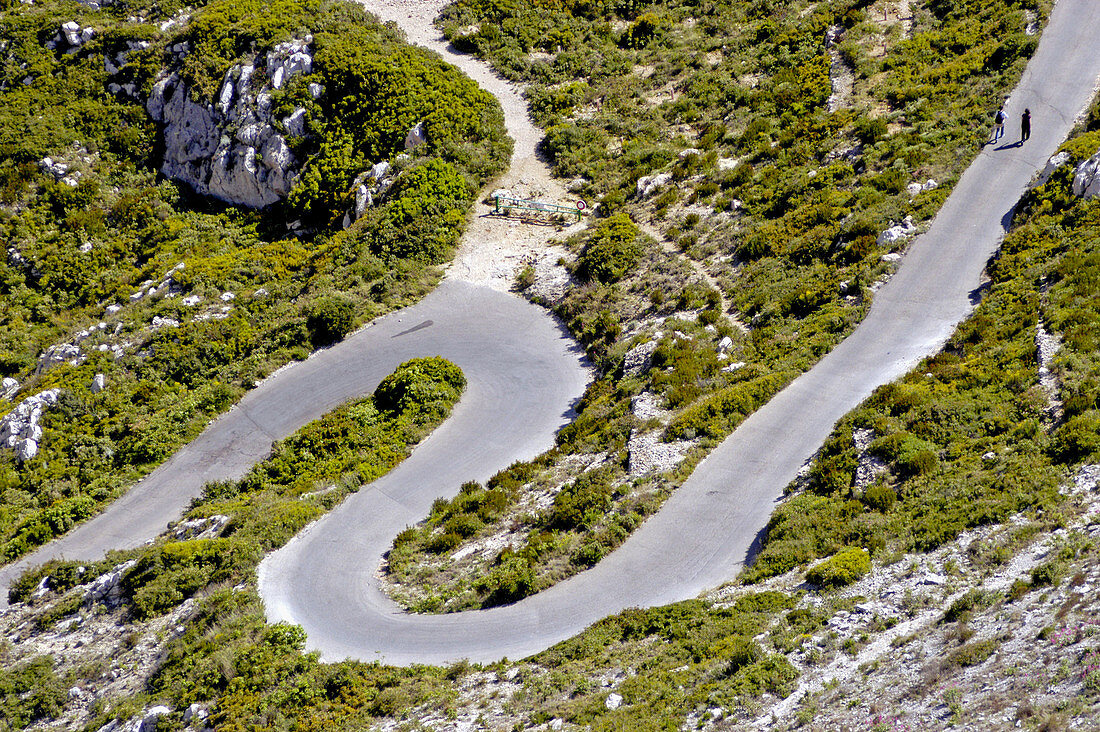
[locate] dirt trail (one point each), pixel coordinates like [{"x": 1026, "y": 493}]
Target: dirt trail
[{"x": 492, "y": 249}]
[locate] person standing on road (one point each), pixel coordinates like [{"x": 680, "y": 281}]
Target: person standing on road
[
  {"x": 1025, "y": 125},
  {"x": 999, "y": 124}
]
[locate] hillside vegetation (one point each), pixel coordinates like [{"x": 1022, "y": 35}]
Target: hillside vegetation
[
  {"x": 237, "y": 294},
  {"x": 777, "y": 146}
]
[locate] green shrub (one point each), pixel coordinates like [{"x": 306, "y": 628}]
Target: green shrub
[
  {"x": 1049, "y": 573},
  {"x": 962, "y": 608},
  {"x": 880, "y": 497},
  {"x": 1078, "y": 439},
  {"x": 581, "y": 503},
  {"x": 612, "y": 251},
  {"x": 842, "y": 569},
  {"x": 511, "y": 580},
  {"x": 974, "y": 653},
  {"x": 330, "y": 319},
  {"x": 420, "y": 386},
  {"x": 719, "y": 414}
]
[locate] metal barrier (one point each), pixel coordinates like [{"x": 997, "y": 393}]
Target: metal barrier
[{"x": 507, "y": 206}]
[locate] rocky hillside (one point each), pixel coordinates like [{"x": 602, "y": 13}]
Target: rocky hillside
[{"x": 192, "y": 199}]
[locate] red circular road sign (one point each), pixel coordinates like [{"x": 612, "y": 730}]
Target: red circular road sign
[{"x": 581, "y": 205}]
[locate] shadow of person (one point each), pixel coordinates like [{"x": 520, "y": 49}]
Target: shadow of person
[{"x": 1006, "y": 146}]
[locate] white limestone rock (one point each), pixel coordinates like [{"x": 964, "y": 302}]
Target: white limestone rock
[
  {"x": 916, "y": 189},
  {"x": 72, "y": 33},
  {"x": 1086, "y": 180},
  {"x": 1056, "y": 161},
  {"x": 56, "y": 355},
  {"x": 295, "y": 124},
  {"x": 378, "y": 170},
  {"x": 613, "y": 701},
  {"x": 19, "y": 428},
  {"x": 647, "y": 185},
  {"x": 106, "y": 587},
  {"x": 26, "y": 449},
  {"x": 8, "y": 387},
  {"x": 99, "y": 383},
  {"x": 205, "y": 528},
  {"x": 56, "y": 169},
  {"x": 417, "y": 136},
  {"x": 637, "y": 358},
  {"x": 898, "y": 232},
  {"x": 288, "y": 60},
  {"x": 253, "y": 166}
]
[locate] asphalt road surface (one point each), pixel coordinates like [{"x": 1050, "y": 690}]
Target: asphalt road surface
[
  {"x": 524, "y": 375},
  {"x": 325, "y": 578}
]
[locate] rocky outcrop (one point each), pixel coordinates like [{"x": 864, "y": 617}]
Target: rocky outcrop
[
  {"x": 69, "y": 353},
  {"x": 19, "y": 428},
  {"x": 915, "y": 188},
  {"x": 8, "y": 387},
  {"x": 647, "y": 185},
  {"x": 368, "y": 187},
  {"x": 1056, "y": 161},
  {"x": 234, "y": 148},
  {"x": 107, "y": 588},
  {"x": 60, "y": 171},
  {"x": 70, "y": 37},
  {"x": 637, "y": 359},
  {"x": 145, "y": 722},
  {"x": 897, "y": 232},
  {"x": 1086, "y": 180},
  {"x": 203, "y": 528}
]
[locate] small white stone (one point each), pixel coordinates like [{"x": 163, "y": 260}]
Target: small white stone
[
  {"x": 613, "y": 701},
  {"x": 228, "y": 297}
]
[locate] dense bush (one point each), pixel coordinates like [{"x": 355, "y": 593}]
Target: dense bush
[
  {"x": 425, "y": 387},
  {"x": 330, "y": 319},
  {"x": 841, "y": 569},
  {"x": 612, "y": 251}
]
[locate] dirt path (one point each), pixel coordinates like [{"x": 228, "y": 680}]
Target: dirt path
[{"x": 493, "y": 249}]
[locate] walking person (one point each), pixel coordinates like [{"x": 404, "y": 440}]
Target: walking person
[
  {"x": 999, "y": 124},
  {"x": 1025, "y": 125}
]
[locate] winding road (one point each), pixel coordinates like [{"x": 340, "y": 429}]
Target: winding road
[{"x": 524, "y": 373}]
